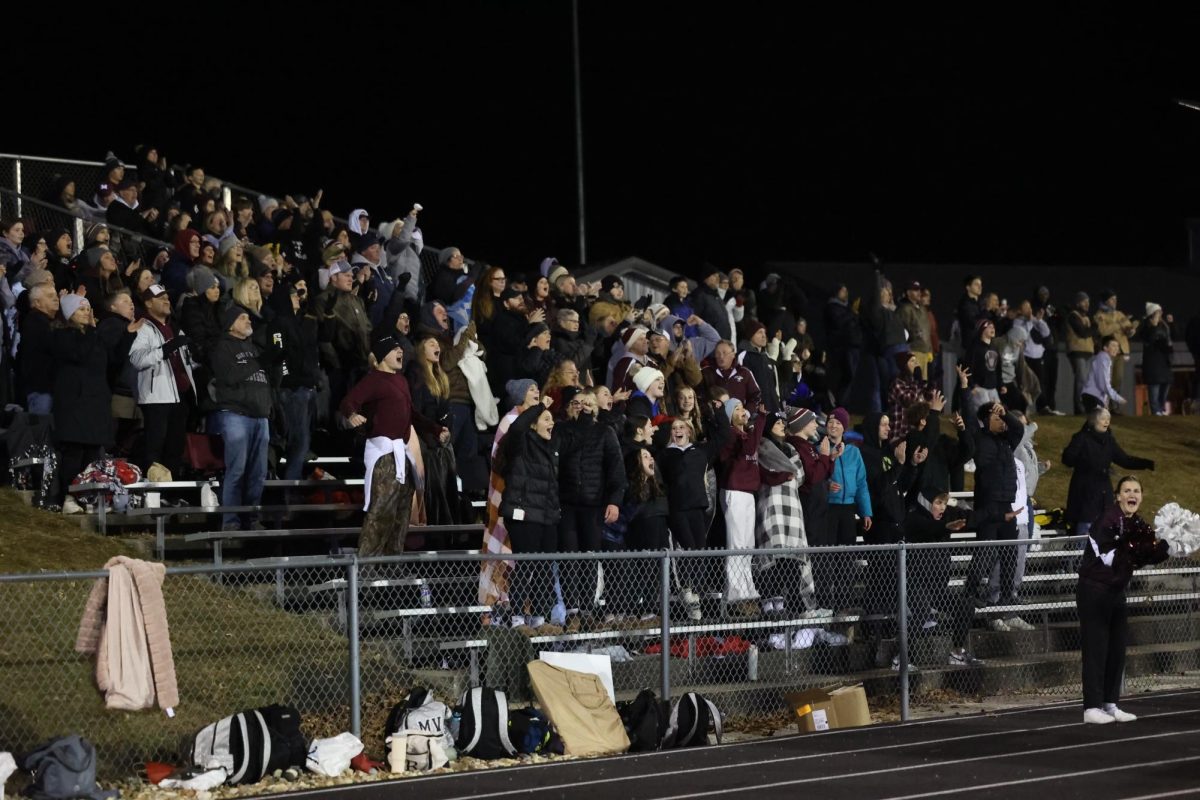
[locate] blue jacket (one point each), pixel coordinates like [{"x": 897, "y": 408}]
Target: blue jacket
[{"x": 850, "y": 472}]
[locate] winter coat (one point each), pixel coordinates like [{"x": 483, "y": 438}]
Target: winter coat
[
  {"x": 711, "y": 308},
  {"x": 577, "y": 346},
  {"x": 155, "y": 377},
  {"x": 765, "y": 373},
  {"x": 995, "y": 470},
  {"x": 850, "y": 473},
  {"x": 968, "y": 313},
  {"x": 345, "y": 330},
  {"x": 35, "y": 355},
  {"x": 1156, "y": 353},
  {"x": 1091, "y": 455},
  {"x": 684, "y": 470},
  {"x": 199, "y": 319},
  {"x": 240, "y": 382},
  {"x": 888, "y": 481},
  {"x": 530, "y": 473},
  {"x": 738, "y": 381},
  {"x": 916, "y": 321},
  {"x": 297, "y": 337},
  {"x": 738, "y": 468},
  {"x": 504, "y": 343},
  {"x": 537, "y": 363},
  {"x": 82, "y": 397},
  {"x": 132, "y": 677},
  {"x": 843, "y": 331},
  {"x": 590, "y": 469},
  {"x": 1127, "y": 542},
  {"x": 403, "y": 253}
]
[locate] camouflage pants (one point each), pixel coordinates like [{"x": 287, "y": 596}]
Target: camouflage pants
[{"x": 386, "y": 525}]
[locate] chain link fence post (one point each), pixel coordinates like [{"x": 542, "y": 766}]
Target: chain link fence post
[
  {"x": 17, "y": 182},
  {"x": 352, "y": 639},
  {"x": 665, "y": 586},
  {"x": 902, "y": 617}
]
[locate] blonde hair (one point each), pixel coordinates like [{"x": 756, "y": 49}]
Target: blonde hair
[
  {"x": 247, "y": 293},
  {"x": 432, "y": 374}
]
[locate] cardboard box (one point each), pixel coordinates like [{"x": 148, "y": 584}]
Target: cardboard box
[{"x": 829, "y": 707}]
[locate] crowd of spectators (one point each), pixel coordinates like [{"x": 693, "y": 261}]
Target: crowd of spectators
[{"x": 587, "y": 419}]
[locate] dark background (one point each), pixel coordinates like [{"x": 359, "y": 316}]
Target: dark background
[{"x": 734, "y": 133}]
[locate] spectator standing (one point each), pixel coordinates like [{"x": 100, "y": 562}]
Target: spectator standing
[
  {"x": 1098, "y": 390},
  {"x": 847, "y": 492},
  {"x": 886, "y": 338},
  {"x": 403, "y": 244},
  {"x": 754, "y": 356},
  {"x": 298, "y": 375},
  {"x": 345, "y": 332},
  {"x": 1155, "y": 333},
  {"x": 430, "y": 389},
  {"x": 165, "y": 388},
  {"x": 35, "y": 358},
  {"x": 913, "y": 316},
  {"x": 739, "y": 479},
  {"x": 1039, "y": 348},
  {"x": 735, "y": 379},
  {"x": 1111, "y": 321},
  {"x": 242, "y": 395},
  {"x": 843, "y": 344},
  {"x": 1080, "y": 345},
  {"x": 708, "y": 304},
  {"x": 970, "y": 309},
  {"x": 984, "y": 368},
  {"x": 1091, "y": 453},
  {"x": 392, "y": 454}
]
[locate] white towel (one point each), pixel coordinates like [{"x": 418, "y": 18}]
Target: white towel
[{"x": 377, "y": 447}]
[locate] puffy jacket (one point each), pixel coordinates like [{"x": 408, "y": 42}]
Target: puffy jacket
[
  {"x": 887, "y": 482},
  {"x": 590, "y": 469},
  {"x": 995, "y": 469},
  {"x": 530, "y": 473},
  {"x": 1091, "y": 454},
  {"x": 198, "y": 319},
  {"x": 850, "y": 473},
  {"x": 82, "y": 398},
  {"x": 155, "y": 381},
  {"x": 240, "y": 382}
]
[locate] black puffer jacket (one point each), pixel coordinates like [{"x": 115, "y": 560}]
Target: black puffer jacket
[
  {"x": 1091, "y": 455},
  {"x": 537, "y": 364},
  {"x": 530, "y": 471},
  {"x": 683, "y": 470},
  {"x": 887, "y": 482},
  {"x": 995, "y": 470},
  {"x": 590, "y": 471},
  {"x": 240, "y": 380}
]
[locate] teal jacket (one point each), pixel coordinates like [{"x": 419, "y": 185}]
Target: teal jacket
[{"x": 850, "y": 472}]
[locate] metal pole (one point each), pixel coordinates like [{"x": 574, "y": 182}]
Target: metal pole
[
  {"x": 352, "y": 625},
  {"x": 578, "y": 132},
  {"x": 666, "y": 625},
  {"x": 902, "y": 572},
  {"x": 78, "y": 235},
  {"x": 17, "y": 182}
]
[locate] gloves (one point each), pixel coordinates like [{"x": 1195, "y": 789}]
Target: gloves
[
  {"x": 179, "y": 341},
  {"x": 402, "y": 279},
  {"x": 643, "y": 303}
]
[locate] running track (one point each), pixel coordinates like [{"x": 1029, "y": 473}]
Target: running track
[{"x": 1043, "y": 752}]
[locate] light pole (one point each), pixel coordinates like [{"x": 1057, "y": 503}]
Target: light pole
[{"x": 578, "y": 133}]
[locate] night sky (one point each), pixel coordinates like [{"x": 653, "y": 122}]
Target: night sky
[{"x": 735, "y": 134}]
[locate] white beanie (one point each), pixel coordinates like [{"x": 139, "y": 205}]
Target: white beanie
[
  {"x": 70, "y": 303},
  {"x": 644, "y": 377},
  {"x": 1152, "y": 309}
]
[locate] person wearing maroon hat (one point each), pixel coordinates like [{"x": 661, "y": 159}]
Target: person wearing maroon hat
[
  {"x": 165, "y": 387},
  {"x": 765, "y": 369},
  {"x": 637, "y": 346}
]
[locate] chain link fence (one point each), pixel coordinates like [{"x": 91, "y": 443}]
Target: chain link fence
[{"x": 343, "y": 639}]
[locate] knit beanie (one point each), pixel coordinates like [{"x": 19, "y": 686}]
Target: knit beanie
[
  {"x": 799, "y": 419},
  {"x": 230, "y": 315},
  {"x": 70, "y": 303},
  {"x": 842, "y": 416},
  {"x": 644, "y": 377},
  {"x": 200, "y": 278},
  {"x": 517, "y": 389},
  {"x": 1152, "y": 309},
  {"x": 382, "y": 346},
  {"x": 632, "y": 334},
  {"x": 731, "y": 405},
  {"x": 557, "y": 274}
]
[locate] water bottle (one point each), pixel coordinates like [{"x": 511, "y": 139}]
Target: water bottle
[
  {"x": 426, "y": 596},
  {"x": 454, "y": 724},
  {"x": 208, "y": 496},
  {"x": 752, "y": 662}
]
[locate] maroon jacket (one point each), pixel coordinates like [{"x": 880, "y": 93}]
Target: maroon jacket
[
  {"x": 817, "y": 468},
  {"x": 738, "y": 381},
  {"x": 738, "y": 465}
]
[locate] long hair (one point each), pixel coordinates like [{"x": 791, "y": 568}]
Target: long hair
[
  {"x": 693, "y": 417},
  {"x": 246, "y": 293},
  {"x": 642, "y": 487},
  {"x": 485, "y": 304},
  {"x": 556, "y": 379},
  {"x": 432, "y": 374}
]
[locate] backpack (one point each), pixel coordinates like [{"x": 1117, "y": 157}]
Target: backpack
[
  {"x": 532, "y": 733},
  {"x": 483, "y": 727},
  {"x": 646, "y": 720},
  {"x": 64, "y": 767},
  {"x": 418, "y": 733},
  {"x": 690, "y": 718},
  {"x": 251, "y": 744}
]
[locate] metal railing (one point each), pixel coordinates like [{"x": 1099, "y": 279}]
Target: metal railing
[
  {"x": 48, "y": 217},
  {"x": 343, "y": 638}
]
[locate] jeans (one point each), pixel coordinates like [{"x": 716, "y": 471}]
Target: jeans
[
  {"x": 39, "y": 403},
  {"x": 1158, "y": 397},
  {"x": 297, "y": 406},
  {"x": 246, "y": 440}
]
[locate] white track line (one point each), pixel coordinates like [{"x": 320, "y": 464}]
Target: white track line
[
  {"x": 809, "y": 756},
  {"x": 1180, "y": 793},
  {"x": 932, "y": 765},
  {"x": 773, "y": 739},
  {"x": 1081, "y": 773}
]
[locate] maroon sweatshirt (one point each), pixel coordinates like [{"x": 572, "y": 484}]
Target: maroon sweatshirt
[
  {"x": 817, "y": 468},
  {"x": 382, "y": 398},
  {"x": 738, "y": 464}
]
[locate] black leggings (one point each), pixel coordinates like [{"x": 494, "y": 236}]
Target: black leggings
[
  {"x": 1103, "y": 623},
  {"x": 689, "y": 529},
  {"x": 833, "y": 573},
  {"x": 534, "y": 581},
  {"x": 579, "y": 532}
]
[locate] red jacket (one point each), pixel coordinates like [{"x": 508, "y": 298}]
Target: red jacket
[
  {"x": 738, "y": 381},
  {"x": 817, "y": 468},
  {"x": 738, "y": 466}
]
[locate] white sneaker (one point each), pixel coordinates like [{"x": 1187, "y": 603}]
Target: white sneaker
[
  {"x": 1018, "y": 624},
  {"x": 999, "y": 625},
  {"x": 692, "y": 601},
  {"x": 1119, "y": 715},
  {"x": 1097, "y": 716},
  {"x": 516, "y": 620},
  {"x": 536, "y": 622}
]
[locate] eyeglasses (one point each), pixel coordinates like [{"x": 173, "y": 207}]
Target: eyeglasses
[{"x": 499, "y": 279}]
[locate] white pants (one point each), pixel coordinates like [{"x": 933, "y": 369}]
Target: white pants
[{"x": 739, "y": 535}]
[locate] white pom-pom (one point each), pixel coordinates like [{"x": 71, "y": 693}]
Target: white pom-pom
[{"x": 1180, "y": 528}]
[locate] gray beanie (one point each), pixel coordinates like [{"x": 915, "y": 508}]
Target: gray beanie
[
  {"x": 518, "y": 388},
  {"x": 200, "y": 278}
]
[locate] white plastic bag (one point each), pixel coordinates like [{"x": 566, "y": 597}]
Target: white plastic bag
[
  {"x": 331, "y": 757},
  {"x": 7, "y": 767}
]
